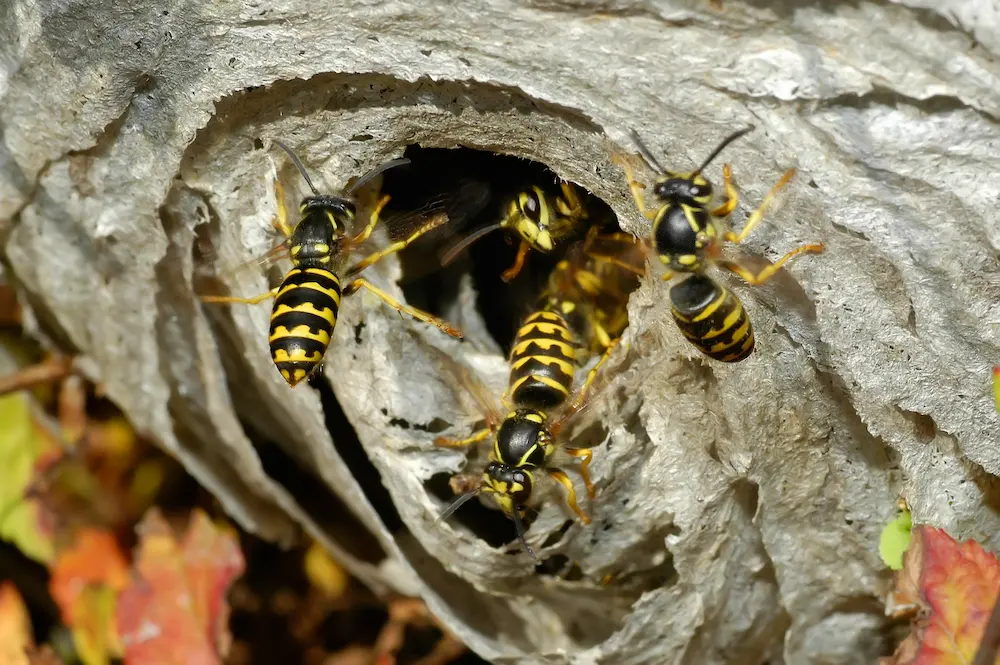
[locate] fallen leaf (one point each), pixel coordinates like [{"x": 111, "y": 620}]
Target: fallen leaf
[
  {"x": 174, "y": 611},
  {"x": 23, "y": 447},
  {"x": 86, "y": 579},
  {"x": 895, "y": 539},
  {"x": 955, "y": 585},
  {"x": 43, "y": 656},
  {"x": 15, "y": 627},
  {"x": 324, "y": 573}
]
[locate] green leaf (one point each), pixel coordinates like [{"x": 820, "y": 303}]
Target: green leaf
[
  {"x": 21, "y": 444},
  {"x": 895, "y": 539}
]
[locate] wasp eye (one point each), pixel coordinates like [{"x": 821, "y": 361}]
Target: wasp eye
[
  {"x": 699, "y": 191},
  {"x": 531, "y": 206}
]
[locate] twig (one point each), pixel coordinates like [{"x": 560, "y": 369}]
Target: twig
[
  {"x": 990, "y": 644},
  {"x": 47, "y": 371}
]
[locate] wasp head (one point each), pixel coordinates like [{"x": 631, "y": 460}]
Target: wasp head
[
  {"x": 510, "y": 485},
  {"x": 529, "y": 214},
  {"x": 689, "y": 189}
]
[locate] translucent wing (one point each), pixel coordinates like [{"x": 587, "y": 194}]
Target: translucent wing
[{"x": 486, "y": 400}]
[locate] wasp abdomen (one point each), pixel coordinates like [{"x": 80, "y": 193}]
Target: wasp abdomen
[
  {"x": 302, "y": 321},
  {"x": 542, "y": 361},
  {"x": 712, "y": 318}
]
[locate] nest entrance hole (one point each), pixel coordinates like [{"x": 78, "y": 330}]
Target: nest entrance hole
[{"x": 473, "y": 187}]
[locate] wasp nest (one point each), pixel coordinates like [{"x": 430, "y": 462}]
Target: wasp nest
[{"x": 738, "y": 506}]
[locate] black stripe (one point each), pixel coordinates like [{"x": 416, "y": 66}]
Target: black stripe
[
  {"x": 296, "y": 298},
  {"x": 291, "y": 344},
  {"x": 292, "y": 320},
  {"x": 324, "y": 278}
]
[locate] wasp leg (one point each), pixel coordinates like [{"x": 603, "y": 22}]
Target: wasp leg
[
  {"x": 372, "y": 221},
  {"x": 513, "y": 271},
  {"x": 581, "y": 394},
  {"x": 564, "y": 480},
  {"x": 768, "y": 272},
  {"x": 448, "y": 442},
  {"x": 587, "y": 456},
  {"x": 418, "y": 314},
  {"x": 635, "y": 187},
  {"x": 732, "y": 196},
  {"x": 281, "y": 217},
  {"x": 758, "y": 214},
  {"x": 570, "y": 205},
  {"x": 246, "y": 301},
  {"x": 374, "y": 257}
]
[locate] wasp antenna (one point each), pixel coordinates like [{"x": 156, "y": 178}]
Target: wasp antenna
[
  {"x": 519, "y": 527},
  {"x": 647, "y": 156},
  {"x": 726, "y": 141},
  {"x": 464, "y": 243},
  {"x": 381, "y": 168},
  {"x": 456, "y": 504},
  {"x": 298, "y": 165}
]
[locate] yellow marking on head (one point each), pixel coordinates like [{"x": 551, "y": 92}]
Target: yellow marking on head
[
  {"x": 512, "y": 414},
  {"x": 536, "y": 417},
  {"x": 665, "y": 259}
]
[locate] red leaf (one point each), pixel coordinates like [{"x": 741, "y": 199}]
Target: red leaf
[
  {"x": 955, "y": 584},
  {"x": 175, "y": 612}
]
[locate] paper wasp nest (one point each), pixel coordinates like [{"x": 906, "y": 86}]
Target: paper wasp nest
[{"x": 738, "y": 507}]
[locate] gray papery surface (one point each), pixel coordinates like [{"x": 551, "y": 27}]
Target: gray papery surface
[{"x": 739, "y": 507}]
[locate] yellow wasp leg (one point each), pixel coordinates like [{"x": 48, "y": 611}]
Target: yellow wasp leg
[
  {"x": 247, "y": 301},
  {"x": 582, "y": 392},
  {"x": 667, "y": 276},
  {"x": 281, "y": 217},
  {"x": 635, "y": 187},
  {"x": 768, "y": 272},
  {"x": 758, "y": 214},
  {"x": 587, "y": 455},
  {"x": 448, "y": 442},
  {"x": 513, "y": 271},
  {"x": 372, "y": 221},
  {"x": 374, "y": 257},
  {"x": 574, "y": 205},
  {"x": 564, "y": 480},
  {"x": 418, "y": 314},
  {"x": 732, "y": 196}
]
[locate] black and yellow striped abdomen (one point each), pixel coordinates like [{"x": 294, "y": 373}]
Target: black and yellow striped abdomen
[
  {"x": 712, "y": 318},
  {"x": 302, "y": 321},
  {"x": 542, "y": 361}
]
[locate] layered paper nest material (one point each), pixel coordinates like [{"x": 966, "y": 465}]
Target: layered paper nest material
[{"x": 738, "y": 507}]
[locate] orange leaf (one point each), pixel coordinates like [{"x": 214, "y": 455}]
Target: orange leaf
[
  {"x": 15, "y": 627},
  {"x": 85, "y": 581},
  {"x": 956, "y": 585},
  {"x": 174, "y": 612}
]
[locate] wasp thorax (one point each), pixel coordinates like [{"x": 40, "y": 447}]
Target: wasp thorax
[
  {"x": 522, "y": 439},
  {"x": 690, "y": 190}
]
